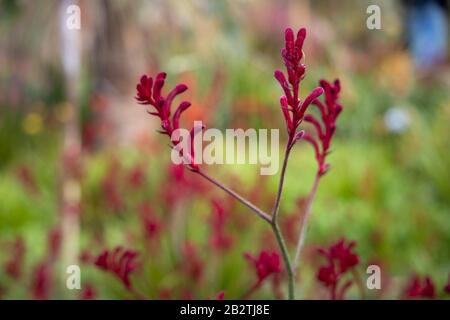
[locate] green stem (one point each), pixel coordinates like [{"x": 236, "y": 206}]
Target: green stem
[
  {"x": 271, "y": 219},
  {"x": 244, "y": 201},
  {"x": 276, "y": 228},
  {"x": 286, "y": 259},
  {"x": 276, "y": 206}
]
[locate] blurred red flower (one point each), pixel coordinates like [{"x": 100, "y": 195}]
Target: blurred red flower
[
  {"x": 265, "y": 264},
  {"x": 220, "y": 296},
  {"x": 120, "y": 262},
  {"x": 14, "y": 266},
  {"x": 447, "y": 286},
  {"x": 137, "y": 176},
  {"x": 328, "y": 275},
  {"x": 193, "y": 265},
  {"x": 111, "y": 188},
  {"x": 329, "y": 113},
  {"x": 342, "y": 253},
  {"x": 178, "y": 187},
  {"x": 219, "y": 239},
  {"x": 27, "y": 179},
  {"x": 41, "y": 282},
  {"x": 150, "y": 222},
  {"x": 88, "y": 292},
  {"x": 340, "y": 259},
  {"x": 420, "y": 289},
  {"x": 54, "y": 243},
  {"x": 149, "y": 92}
]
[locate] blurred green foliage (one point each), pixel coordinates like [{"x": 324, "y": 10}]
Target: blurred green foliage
[{"x": 390, "y": 192}]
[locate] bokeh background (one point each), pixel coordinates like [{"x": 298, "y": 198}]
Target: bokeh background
[{"x": 82, "y": 168}]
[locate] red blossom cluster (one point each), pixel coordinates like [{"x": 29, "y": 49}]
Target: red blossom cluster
[
  {"x": 325, "y": 128},
  {"x": 88, "y": 292},
  {"x": 149, "y": 92},
  {"x": 14, "y": 266},
  {"x": 118, "y": 178},
  {"x": 54, "y": 240},
  {"x": 41, "y": 283},
  {"x": 417, "y": 288},
  {"x": 42, "y": 277},
  {"x": 110, "y": 186},
  {"x": 177, "y": 187},
  {"x": 150, "y": 222},
  {"x": 194, "y": 265},
  {"x": 220, "y": 296},
  {"x": 136, "y": 177},
  {"x": 340, "y": 258},
  {"x": 294, "y": 110},
  {"x": 219, "y": 239},
  {"x": 292, "y": 107},
  {"x": 120, "y": 262},
  {"x": 447, "y": 286},
  {"x": 265, "y": 264},
  {"x": 27, "y": 179}
]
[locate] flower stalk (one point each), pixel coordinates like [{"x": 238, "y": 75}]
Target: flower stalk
[
  {"x": 235, "y": 195},
  {"x": 305, "y": 221},
  {"x": 294, "y": 111}
]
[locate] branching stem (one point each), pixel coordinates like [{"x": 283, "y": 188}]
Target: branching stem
[
  {"x": 232, "y": 193},
  {"x": 273, "y": 219}
]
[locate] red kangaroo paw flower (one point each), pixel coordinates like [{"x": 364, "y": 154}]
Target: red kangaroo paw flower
[
  {"x": 265, "y": 264},
  {"x": 317, "y": 92},
  {"x": 149, "y": 92},
  {"x": 176, "y": 116},
  {"x": 420, "y": 289},
  {"x": 120, "y": 262},
  {"x": 311, "y": 119},
  {"x": 292, "y": 54},
  {"x": 340, "y": 258}
]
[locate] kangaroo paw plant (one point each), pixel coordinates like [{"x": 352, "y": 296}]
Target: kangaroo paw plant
[{"x": 295, "y": 111}]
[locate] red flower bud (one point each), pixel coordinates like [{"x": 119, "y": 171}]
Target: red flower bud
[
  {"x": 265, "y": 264},
  {"x": 120, "y": 262}
]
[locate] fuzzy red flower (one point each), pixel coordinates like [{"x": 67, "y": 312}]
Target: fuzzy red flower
[
  {"x": 420, "y": 289},
  {"x": 447, "y": 286},
  {"x": 343, "y": 254},
  {"x": 149, "y": 92},
  {"x": 111, "y": 189},
  {"x": 193, "y": 266},
  {"x": 27, "y": 179},
  {"x": 325, "y": 128},
  {"x": 340, "y": 258},
  {"x": 265, "y": 264},
  {"x": 54, "y": 243},
  {"x": 137, "y": 176},
  {"x": 328, "y": 275},
  {"x": 293, "y": 109},
  {"x": 151, "y": 224},
  {"x": 14, "y": 266},
  {"x": 219, "y": 239},
  {"x": 42, "y": 282},
  {"x": 119, "y": 262},
  {"x": 220, "y": 296},
  {"x": 88, "y": 293}
]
